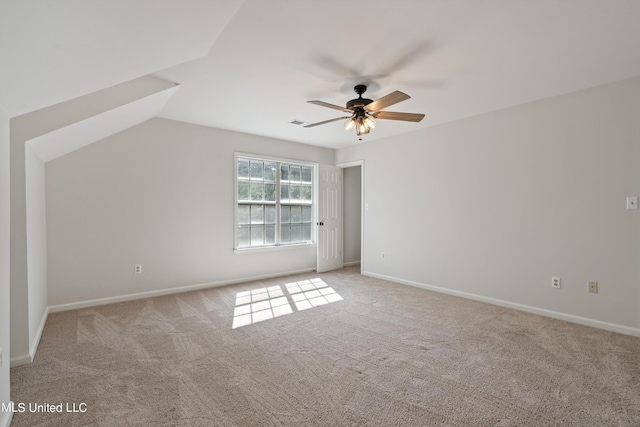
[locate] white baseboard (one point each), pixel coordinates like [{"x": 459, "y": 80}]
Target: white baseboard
[
  {"x": 33, "y": 345},
  {"x": 613, "y": 327},
  {"x": 25, "y": 359},
  {"x": 150, "y": 294},
  {"x": 351, "y": 263},
  {"x": 5, "y": 418}
]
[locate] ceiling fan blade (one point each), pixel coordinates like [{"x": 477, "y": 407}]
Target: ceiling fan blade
[
  {"x": 326, "y": 121},
  {"x": 335, "y": 107},
  {"x": 387, "y": 100},
  {"x": 407, "y": 117}
]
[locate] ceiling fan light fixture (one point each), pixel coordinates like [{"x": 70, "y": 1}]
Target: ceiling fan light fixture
[
  {"x": 361, "y": 131},
  {"x": 350, "y": 124},
  {"x": 369, "y": 122},
  {"x": 361, "y": 126}
]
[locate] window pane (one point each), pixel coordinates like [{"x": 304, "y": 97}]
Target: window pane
[
  {"x": 270, "y": 171},
  {"x": 306, "y": 214},
  {"x": 243, "y": 236},
  {"x": 285, "y": 214},
  {"x": 257, "y": 169},
  {"x": 244, "y": 214},
  {"x": 257, "y": 214},
  {"x": 294, "y": 173},
  {"x": 294, "y": 193},
  {"x": 243, "y": 168},
  {"x": 306, "y": 174},
  {"x": 269, "y": 214},
  {"x": 262, "y": 219},
  {"x": 296, "y": 233},
  {"x": 305, "y": 193},
  {"x": 257, "y": 235},
  {"x": 296, "y": 214},
  {"x": 270, "y": 234},
  {"x": 257, "y": 191},
  {"x": 284, "y": 193},
  {"x": 306, "y": 232},
  {"x": 270, "y": 192},
  {"x": 285, "y": 234},
  {"x": 243, "y": 190}
]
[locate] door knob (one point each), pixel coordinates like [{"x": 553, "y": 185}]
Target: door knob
[{"x": 320, "y": 223}]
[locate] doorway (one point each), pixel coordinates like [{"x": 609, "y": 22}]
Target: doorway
[{"x": 352, "y": 203}]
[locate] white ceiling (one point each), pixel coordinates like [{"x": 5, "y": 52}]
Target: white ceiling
[{"x": 250, "y": 66}]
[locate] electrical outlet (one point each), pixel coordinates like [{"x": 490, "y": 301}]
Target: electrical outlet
[
  {"x": 593, "y": 287},
  {"x": 555, "y": 282},
  {"x": 137, "y": 269},
  {"x": 383, "y": 255}
]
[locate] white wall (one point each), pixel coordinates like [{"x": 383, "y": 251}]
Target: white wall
[
  {"x": 351, "y": 214},
  {"x": 5, "y": 331},
  {"x": 495, "y": 205},
  {"x": 36, "y": 247},
  {"x": 159, "y": 194}
]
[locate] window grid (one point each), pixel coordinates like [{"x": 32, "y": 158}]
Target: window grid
[{"x": 274, "y": 203}]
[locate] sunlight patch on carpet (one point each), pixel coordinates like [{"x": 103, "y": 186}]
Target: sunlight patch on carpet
[
  {"x": 261, "y": 304},
  {"x": 311, "y": 293}
]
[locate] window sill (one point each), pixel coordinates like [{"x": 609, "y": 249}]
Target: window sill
[{"x": 273, "y": 248}]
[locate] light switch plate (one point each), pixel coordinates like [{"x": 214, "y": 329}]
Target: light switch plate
[{"x": 632, "y": 202}]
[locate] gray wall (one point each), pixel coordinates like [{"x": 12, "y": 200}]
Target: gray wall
[
  {"x": 493, "y": 206},
  {"x": 159, "y": 194}
]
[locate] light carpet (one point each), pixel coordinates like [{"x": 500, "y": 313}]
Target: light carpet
[{"x": 343, "y": 350}]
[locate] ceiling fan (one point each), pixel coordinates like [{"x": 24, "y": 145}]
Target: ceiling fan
[{"x": 363, "y": 111}]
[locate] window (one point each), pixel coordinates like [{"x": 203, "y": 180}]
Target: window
[{"x": 274, "y": 202}]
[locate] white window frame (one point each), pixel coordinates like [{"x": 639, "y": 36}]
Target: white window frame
[{"x": 314, "y": 203}]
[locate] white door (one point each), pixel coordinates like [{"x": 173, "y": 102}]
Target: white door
[{"x": 329, "y": 223}]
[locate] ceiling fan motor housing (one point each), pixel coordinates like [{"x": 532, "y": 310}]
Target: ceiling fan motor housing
[{"x": 360, "y": 101}]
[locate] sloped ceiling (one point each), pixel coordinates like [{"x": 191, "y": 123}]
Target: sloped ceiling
[
  {"x": 102, "y": 122},
  {"x": 250, "y": 66},
  {"x": 52, "y": 51}
]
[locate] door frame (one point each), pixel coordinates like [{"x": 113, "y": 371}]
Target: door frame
[{"x": 363, "y": 205}]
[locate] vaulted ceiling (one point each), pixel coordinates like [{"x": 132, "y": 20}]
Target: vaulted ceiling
[{"x": 250, "y": 66}]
